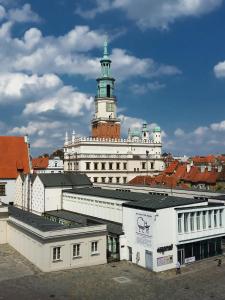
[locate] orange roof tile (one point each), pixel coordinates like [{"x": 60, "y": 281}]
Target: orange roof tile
[
  {"x": 14, "y": 157},
  {"x": 172, "y": 167},
  {"x": 40, "y": 163}
]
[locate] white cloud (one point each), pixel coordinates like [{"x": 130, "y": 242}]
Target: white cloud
[
  {"x": 24, "y": 14},
  {"x": 202, "y": 130},
  {"x": 41, "y": 143},
  {"x": 179, "y": 132},
  {"x": 66, "y": 100},
  {"x": 19, "y": 86},
  {"x": 218, "y": 126},
  {"x": 141, "y": 89},
  {"x": 219, "y": 70},
  {"x": 35, "y": 127},
  {"x": 152, "y": 13}
]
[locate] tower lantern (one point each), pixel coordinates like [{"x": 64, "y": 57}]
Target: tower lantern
[{"x": 105, "y": 123}]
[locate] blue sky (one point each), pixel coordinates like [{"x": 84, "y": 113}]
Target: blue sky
[{"x": 168, "y": 58}]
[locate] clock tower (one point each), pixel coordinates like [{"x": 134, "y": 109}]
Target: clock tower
[{"x": 105, "y": 123}]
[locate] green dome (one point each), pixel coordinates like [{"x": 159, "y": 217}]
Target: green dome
[
  {"x": 135, "y": 132},
  {"x": 157, "y": 129}
]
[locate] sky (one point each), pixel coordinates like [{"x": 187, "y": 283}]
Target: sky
[{"x": 168, "y": 59}]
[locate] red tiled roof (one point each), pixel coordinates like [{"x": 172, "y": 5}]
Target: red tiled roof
[
  {"x": 203, "y": 159},
  {"x": 40, "y": 162},
  {"x": 172, "y": 167},
  {"x": 14, "y": 157}
]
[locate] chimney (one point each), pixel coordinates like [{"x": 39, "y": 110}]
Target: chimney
[
  {"x": 188, "y": 168},
  {"x": 209, "y": 168},
  {"x": 202, "y": 169}
]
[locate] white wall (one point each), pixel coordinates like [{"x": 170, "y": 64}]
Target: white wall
[
  {"x": 99, "y": 207},
  {"x": 53, "y": 198},
  {"x": 3, "y": 231},
  {"x": 38, "y": 196},
  {"x": 10, "y": 189}
]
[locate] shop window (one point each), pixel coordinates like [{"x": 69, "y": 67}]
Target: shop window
[
  {"x": 76, "y": 250},
  {"x": 198, "y": 214},
  {"x": 221, "y": 217},
  {"x": 204, "y": 220},
  {"x": 192, "y": 219},
  {"x": 210, "y": 219},
  {"x": 179, "y": 223},
  {"x": 56, "y": 253},
  {"x": 94, "y": 247},
  {"x": 215, "y": 218},
  {"x": 2, "y": 189},
  {"x": 186, "y": 222},
  {"x": 88, "y": 165}
]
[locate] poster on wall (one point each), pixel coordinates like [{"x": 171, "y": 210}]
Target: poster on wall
[
  {"x": 144, "y": 229},
  {"x": 164, "y": 260}
]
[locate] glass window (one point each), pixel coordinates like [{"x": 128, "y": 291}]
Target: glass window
[
  {"x": 109, "y": 107},
  {"x": 117, "y": 179},
  {"x": 204, "y": 220},
  {"x": 210, "y": 219},
  {"x": 215, "y": 218},
  {"x": 186, "y": 222},
  {"x": 143, "y": 165},
  {"x": 179, "y": 223},
  {"x": 221, "y": 217},
  {"x": 198, "y": 220},
  {"x": 56, "y": 253},
  {"x": 103, "y": 166},
  {"x": 88, "y": 165},
  {"x": 124, "y": 179},
  {"x": 192, "y": 218},
  {"x": 110, "y": 179},
  {"x": 76, "y": 250},
  {"x": 124, "y": 166},
  {"x": 103, "y": 179},
  {"x": 95, "y": 166},
  {"x": 2, "y": 189},
  {"x": 117, "y": 166},
  {"x": 95, "y": 179},
  {"x": 94, "y": 247},
  {"x": 110, "y": 166}
]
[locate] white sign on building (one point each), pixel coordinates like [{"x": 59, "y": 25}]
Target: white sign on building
[{"x": 144, "y": 229}]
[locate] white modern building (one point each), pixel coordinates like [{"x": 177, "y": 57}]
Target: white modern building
[
  {"x": 105, "y": 156},
  {"x": 51, "y": 246}
]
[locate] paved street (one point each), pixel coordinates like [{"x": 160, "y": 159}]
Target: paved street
[{"x": 21, "y": 280}]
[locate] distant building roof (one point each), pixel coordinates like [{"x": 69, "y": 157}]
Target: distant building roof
[
  {"x": 14, "y": 157},
  {"x": 152, "y": 202},
  {"x": 40, "y": 163},
  {"x": 64, "y": 179}
]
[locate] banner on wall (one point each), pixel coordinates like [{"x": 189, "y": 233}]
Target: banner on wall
[{"x": 144, "y": 229}]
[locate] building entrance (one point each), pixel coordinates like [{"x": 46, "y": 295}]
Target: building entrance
[{"x": 180, "y": 256}]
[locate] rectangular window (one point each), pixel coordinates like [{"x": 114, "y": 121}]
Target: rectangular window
[
  {"x": 215, "y": 218},
  {"x": 209, "y": 219},
  {"x": 2, "y": 189},
  {"x": 88, "y": 165},
  {"x": 103, "y": 166},
  {"x": 221, "y": 217},
  {"x": 124, "y": 179},
  {"x": 94, "y": 247},
  {"x": 186, "y": 222},
  {"x": 124, "y": 166},
  {"x": 179, "y": 223},
  {"x": 117, "y": 179},
  {"x": 110, "y": 166},
  {"x": 110, "y": 179},
  {"x": 192, "y": 218},
  {"x": 198, "y": 220},
  {"x": 95, "y": 179},
  {"x": 103, "y": 179},
  {"x": 143, "y": 165},
  {"x": 204, "y": 220},
  {"x": 152, "y": 166},
  {"x": 56, "y": 253},
  {"x": 117, "y": 166},
  {"x": 76, "y": 250},
  {"x": 95, "y": 166},
  {"x": 109, "y": 107}
]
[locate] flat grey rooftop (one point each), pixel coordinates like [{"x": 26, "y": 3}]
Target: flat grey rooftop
[
  {"x": 33, "y": 220},
  {"x": 85, "y": 220},
  {"x": 220, "y": 197},
  {"x": 138, "y": 200},
  {"x": 64, "y": 179}
]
